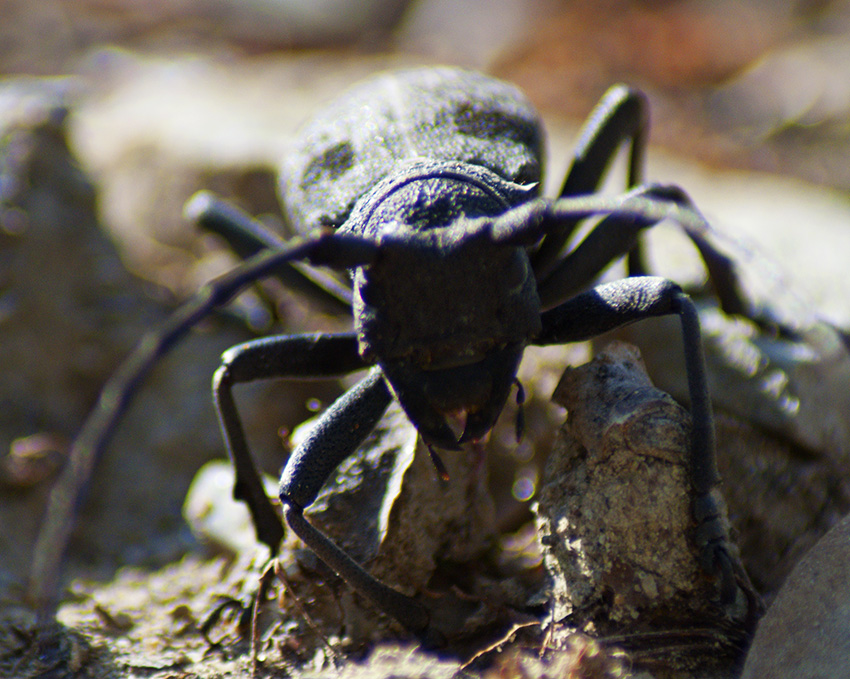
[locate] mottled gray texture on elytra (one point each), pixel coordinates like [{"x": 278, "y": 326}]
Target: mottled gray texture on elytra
[{"x": 433, "y": 113}]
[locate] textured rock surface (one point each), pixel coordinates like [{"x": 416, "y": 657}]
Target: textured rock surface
[
  {"x": 615, "y": 522},
  {"x": 806, "y": 632}
]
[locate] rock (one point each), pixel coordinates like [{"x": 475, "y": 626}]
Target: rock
[
  {"x": 806, "y": 632},
  {"x": 69, "y": 314},
  {"x": 795, "y": 385},
  {"x": 214, "y": 516},
  {"x": 65, "y": 304},
  {"x": 387, "y": 507},
  {"x": 783, "y": 436},
  {"x": 780, "y": 501},
  {"x": 616, "y": 525}
]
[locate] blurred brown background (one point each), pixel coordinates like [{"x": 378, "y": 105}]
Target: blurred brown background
[{"x": 755, "y": 84}]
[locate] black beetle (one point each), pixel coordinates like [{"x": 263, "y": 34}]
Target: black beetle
[{"x": 425, "y": 185}]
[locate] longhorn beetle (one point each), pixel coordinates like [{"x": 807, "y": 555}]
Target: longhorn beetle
[{"x": 425, "y": 186}]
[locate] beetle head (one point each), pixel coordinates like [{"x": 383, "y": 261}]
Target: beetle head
[
  {"x": 444, "y": 310},
  {"x": 476, "y": 391},
  {"x": 447, "y": 323}
]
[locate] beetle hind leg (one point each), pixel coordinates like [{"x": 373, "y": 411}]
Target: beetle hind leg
[
  {"x": 246, "y": 236},
  {"x": 620, "y": 117}
]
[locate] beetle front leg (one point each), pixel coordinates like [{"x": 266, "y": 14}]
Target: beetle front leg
[
  {"x": 321, "y": 248},
  {"x": 317, "y": 355},
  {"x": 336, "y": 435},
  {"x": 615, "y": 304}
]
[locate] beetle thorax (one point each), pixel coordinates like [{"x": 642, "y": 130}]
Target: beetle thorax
[
  {"x": 439, "y": 295},
  {"x": 438, "y": 308}
]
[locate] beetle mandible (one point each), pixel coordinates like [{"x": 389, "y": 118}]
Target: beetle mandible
[{"x": 425, "y": 185}]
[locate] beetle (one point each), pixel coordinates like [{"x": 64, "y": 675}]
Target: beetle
[{"x": 425, "y": 186}]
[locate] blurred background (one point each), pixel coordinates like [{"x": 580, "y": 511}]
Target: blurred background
[
  {"x": 734, "y": 85},
  {"x": 755, "y": 84}
]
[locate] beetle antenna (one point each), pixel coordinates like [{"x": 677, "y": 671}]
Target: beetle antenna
[
  {"x": 442, "y": 472},
  {"x": 520, "y": 413},
  {"x": 90, "y": 444}
]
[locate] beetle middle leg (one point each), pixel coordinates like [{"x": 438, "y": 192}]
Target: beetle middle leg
[{"x": 317, "y": 355}]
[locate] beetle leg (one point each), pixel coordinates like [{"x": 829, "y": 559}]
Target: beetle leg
[
  {"x": 246, "y": 237},
  {"x": 611, "y": 238},
  {"x": 336, "y": 435},
  {"x": 322, "y": 248},
  {"x": 617, "y": 234},
  {"x": 618, "y": 303},
  {"x": 620, "y": 116},
  {"x": 316, "y": 355},
  {"x": 628, "y": 214}
]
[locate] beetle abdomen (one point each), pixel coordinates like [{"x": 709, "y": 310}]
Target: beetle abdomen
[{"x": 436, "y": 113}]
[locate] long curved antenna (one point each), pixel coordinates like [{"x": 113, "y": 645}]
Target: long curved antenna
[
  {"x": 322, "y": 248},
  {"x": 246, "y": 237}
]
